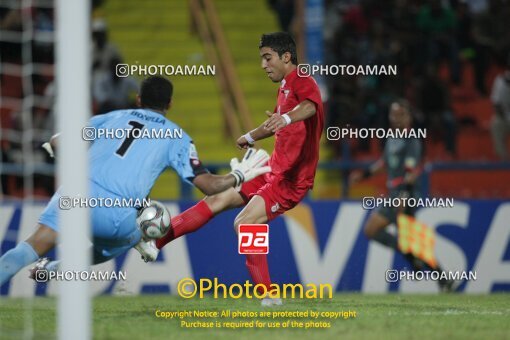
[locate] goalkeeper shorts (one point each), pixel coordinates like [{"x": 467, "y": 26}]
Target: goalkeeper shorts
[{"x": 111, "y": 226}]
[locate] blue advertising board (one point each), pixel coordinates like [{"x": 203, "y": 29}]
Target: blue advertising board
[{"x": 316, "y": 242}]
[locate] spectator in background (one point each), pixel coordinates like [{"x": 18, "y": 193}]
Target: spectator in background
[
  {"x": 433, "y": 101},
  {"x": 103, "y": 50},
  {"x": 111, "y": 92},
  {"x": 437, "y": 25},
  {"x": 491, "y": 36},
  {"x": 10, "y": 21},
  {"x": 42, "y": 44},
  {"x": 492, "y": 29},
  {"x": 284, "y": 10},
  {"x": 358, "y": 18},
  {"x": 500, "y": 125},
  {"x": 469, "y": 49}
]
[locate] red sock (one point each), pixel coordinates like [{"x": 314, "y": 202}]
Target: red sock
[
  {"x": 259, "y": 271},
  {"x": 187, "y": 222}
]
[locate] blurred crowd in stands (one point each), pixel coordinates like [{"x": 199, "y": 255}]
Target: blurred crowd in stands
[
  {"x": 420, "y": 37},
  {"x": 24, "y": 93}
]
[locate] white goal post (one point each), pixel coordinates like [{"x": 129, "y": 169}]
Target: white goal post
[{"x": 73, "y": 68}]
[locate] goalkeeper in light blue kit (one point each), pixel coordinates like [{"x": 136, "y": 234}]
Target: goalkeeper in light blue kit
[{"x": 126, "y": 169}]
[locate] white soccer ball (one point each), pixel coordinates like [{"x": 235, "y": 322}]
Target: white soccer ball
[{"x": 154, "y": 220}]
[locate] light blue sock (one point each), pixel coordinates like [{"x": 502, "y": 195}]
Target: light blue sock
[{"x": 15, "y": 259}]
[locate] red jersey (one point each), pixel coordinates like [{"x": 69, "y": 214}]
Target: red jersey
[{"x": 296, "y": 150}]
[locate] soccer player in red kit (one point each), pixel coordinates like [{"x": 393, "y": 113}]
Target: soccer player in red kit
[{"x": 297, "y": 123}]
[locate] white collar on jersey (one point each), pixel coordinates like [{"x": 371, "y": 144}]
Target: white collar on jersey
[{"x": 283, "y": 82}]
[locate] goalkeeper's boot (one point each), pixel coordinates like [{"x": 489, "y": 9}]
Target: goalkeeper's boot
[
  {"x": 148, "y": 250},
  {"x": 40, "y": 265}
]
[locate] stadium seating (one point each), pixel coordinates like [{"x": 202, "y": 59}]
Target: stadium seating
[
  {"x": 243, "y": 38},
  {"x": 167, "y": 38},
  {"x": 159, "y": 32}
]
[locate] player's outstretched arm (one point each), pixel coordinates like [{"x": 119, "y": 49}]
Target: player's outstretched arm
[
  {"x": 374, "y": 169},
  {"x": 275, "y": 121},
  {"x": 252, "y": 165},
  {"x": 302, "y": 111}
]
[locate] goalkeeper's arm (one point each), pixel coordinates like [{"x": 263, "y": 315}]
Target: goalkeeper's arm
[
  {"x": 211, "y": 184},
  {"x": 252, "y": 165}
]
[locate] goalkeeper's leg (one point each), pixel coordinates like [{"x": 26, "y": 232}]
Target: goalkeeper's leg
[
  {"x": 198, "y": 215},
  {"x": 27, "y": 252}
]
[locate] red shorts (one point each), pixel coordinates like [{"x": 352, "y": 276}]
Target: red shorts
[{"x": 279, "y": 194}]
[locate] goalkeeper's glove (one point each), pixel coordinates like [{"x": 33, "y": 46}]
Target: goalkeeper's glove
[
  {"x": 252, "y": 165},
  {"x": 234, "y": 162},
  {"x": 47, "y": 146}
]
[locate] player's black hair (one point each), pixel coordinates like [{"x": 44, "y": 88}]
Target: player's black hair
[
  {"x": 156, "y": 92},
  {"x": 280, "y": 42}
]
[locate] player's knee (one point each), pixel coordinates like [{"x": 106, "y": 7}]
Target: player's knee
[
  {"x": 221, "y": 202},
  {"x": 237, "y": 222},
  {"x": 247, "y": 219},
  {"x": 217, "y": 203},
  {"x": 375, "y": 223},
  {"x": 370, "y": 229},
  {"x": 369, "y": 233},
  {"x": 242, "y": 219}
]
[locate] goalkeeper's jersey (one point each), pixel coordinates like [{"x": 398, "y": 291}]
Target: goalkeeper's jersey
[{"x": 131, "y": 148}]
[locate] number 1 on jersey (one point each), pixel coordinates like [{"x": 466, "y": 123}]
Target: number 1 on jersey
[{"x": 121, "y": 151}]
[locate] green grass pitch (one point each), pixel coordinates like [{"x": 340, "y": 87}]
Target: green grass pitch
[{"x": 388, "y": 316}]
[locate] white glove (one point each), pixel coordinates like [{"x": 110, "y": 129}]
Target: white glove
[
  {"x": 234, "y": 165},
  {"x": 47, "y": 146},
  {"x": 234, "y": 162},
  {"x": 252, "y": 165}
]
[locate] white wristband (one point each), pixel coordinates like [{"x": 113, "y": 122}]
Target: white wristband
[
  {"x": 249, "y": 138},
  {"x": 287, "y": 119}
]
